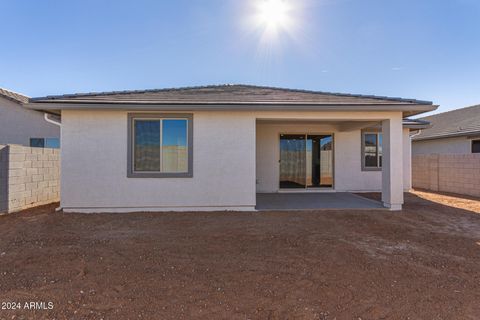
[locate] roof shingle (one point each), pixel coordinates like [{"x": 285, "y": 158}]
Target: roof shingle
[
  {"x": 460, "y": 122},
  {"x": 226, "y": 94},
  {"x": 14, "y": 96}
]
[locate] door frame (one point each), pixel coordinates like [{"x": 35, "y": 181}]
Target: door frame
[{"x": 306, "y": 189}]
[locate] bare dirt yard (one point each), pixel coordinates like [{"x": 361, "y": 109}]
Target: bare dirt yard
[{"x": 421, "y": 263}]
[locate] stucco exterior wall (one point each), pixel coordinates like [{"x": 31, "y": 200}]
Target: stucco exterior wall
[
  {"x": 18, "y": 125},
  {"x": 94, "y": 165},
  {"x": 231, "y": 151},
  {"x": 457, "y": 145},
  {"x": 348, "y": 174},
  {"x": 348, "y": 165}
]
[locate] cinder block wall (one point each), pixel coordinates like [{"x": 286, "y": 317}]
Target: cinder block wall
[
  {"x": 3, "y": 178},
  {"x": 32, "y": 176},
  {"x": 425, "y": 171},
  {"x": 456, "y": 173}
]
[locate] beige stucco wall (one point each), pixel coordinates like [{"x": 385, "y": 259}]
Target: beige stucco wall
[
  {"x": 94, "y": 165},
  {"x": 457, "y": 145},
  {"x": 18, "y": 125},
  {"x": 348, "y": 174}
]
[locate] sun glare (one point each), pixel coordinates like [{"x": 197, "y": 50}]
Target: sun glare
[
  {"x": 274, "y": 24},
  {"x": 274, "y": 15}
]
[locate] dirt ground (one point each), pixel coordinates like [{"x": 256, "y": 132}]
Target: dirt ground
[{"x": 421, "y": 263}]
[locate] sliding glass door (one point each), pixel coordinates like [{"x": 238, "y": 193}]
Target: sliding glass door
[
  {"x": 319, "y": 161},
  {"x": 292, "y": 161},
  {"x": 306, "y": 161}
]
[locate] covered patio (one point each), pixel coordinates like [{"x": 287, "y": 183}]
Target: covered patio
[
  {"x": 314, "y": 201},
  {"x": 327, "y": 158}
]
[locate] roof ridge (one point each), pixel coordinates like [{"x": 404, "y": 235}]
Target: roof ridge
[{"x": 105, "y": 93}]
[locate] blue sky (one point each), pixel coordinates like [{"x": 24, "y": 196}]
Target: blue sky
[{"x": 424, "y": 49}]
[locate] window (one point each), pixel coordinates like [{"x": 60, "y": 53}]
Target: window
[
  {"x": 45, "y": 143},
  {"x": 37, "y": 142},
  {"x": 371, "y": 151},
  {"x": 52, "y": 143},
  {"x": 475, "y": 146},
  {"x": 160, "y": 145}
]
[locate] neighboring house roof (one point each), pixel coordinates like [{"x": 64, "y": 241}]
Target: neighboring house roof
[
  {"x": 460, "y": 122},
  {"x": 14, "y": 96},
  {"x": 231, "y": 96}
]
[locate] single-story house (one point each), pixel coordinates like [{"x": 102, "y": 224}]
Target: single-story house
[
  {"x": 26, "y": 127},
  {"x": 216, "y": 147},
  {"x": 452, "y": 132}
]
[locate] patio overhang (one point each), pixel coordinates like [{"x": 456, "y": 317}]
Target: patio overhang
[{"x": 323, "y": 152}]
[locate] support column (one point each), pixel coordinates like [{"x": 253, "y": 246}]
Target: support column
[{"x": 392, "y": 163}]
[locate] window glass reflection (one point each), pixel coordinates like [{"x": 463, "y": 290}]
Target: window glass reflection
[{"x": 174, "y": 145}]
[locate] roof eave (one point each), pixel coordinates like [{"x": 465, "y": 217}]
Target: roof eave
[
  {"x": 407, "y": 109},
  {"x": 450, "y": 135}
]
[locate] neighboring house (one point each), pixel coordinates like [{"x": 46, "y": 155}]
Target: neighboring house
[
  {"x": 216, "y": 147},
  {"x": 22, "y": 126},
  {"x": 452, "y": 132}
]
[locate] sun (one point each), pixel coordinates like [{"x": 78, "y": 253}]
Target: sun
[
  {"x": 274, "y": 24},
  {"x": 274, "y": 15}
]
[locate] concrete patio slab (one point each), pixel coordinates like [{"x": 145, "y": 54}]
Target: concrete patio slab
[{"x": 314, "y": 201}]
